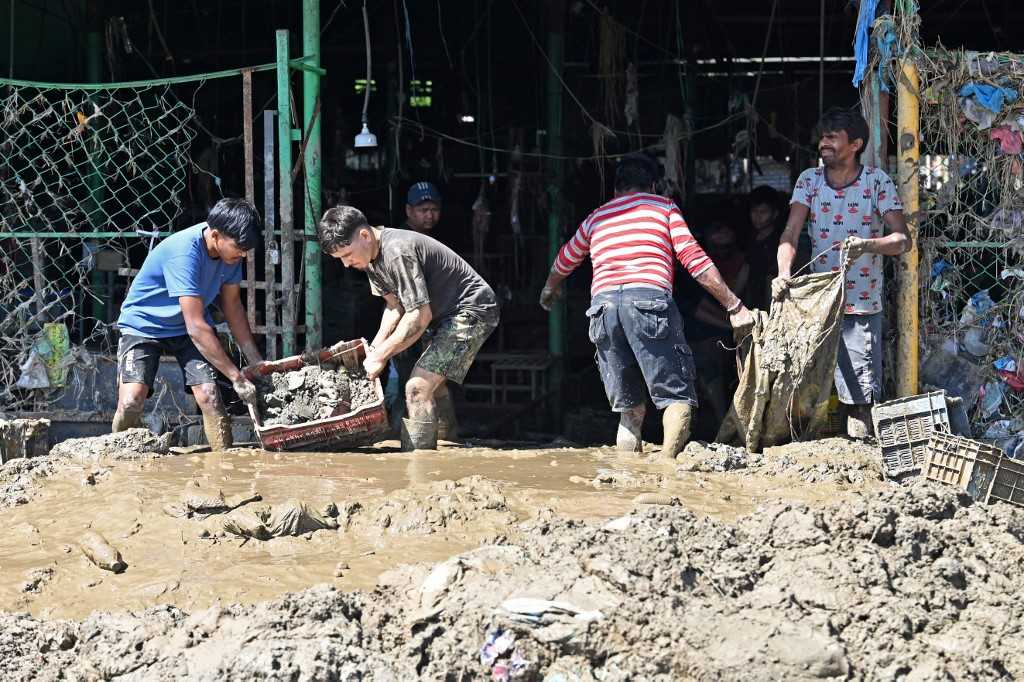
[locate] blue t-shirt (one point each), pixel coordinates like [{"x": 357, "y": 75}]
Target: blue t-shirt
[{"x": 178, "y": 266}]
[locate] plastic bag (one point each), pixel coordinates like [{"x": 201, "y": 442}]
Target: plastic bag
[{"x": 33, "y": 373}]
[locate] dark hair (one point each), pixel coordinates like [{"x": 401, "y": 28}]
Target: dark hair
[
  {"x": 848, "y": 120},
  {"x": 238, "y": 219},
  {"x": 636, "y": 170},
  {"x": 339, "y": 226},
  {"x": 763, "y": 194}
]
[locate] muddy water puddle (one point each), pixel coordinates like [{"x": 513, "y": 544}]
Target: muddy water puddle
[{"x": 170, "y": 562}]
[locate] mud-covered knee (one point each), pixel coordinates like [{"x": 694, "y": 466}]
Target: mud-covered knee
[
  {"x": 134, "y": 403},
  {"x": 417, "y": 390},
  {"x": 207, "y": 397}
]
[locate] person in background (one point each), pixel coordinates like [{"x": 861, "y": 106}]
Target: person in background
[
  {"x": 422, "y": 213},
  {"x": 845, "y": 205},
  {"x": 710, "y": 333},
  {"x": 165, "y": 311},
  {"x": 632, "y": 242},
  {"x": 762, "y": 247},
  {"x": 429, "y": 292}
]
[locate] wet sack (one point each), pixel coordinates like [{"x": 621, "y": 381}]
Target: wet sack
[{"x": 787, "y": 365}]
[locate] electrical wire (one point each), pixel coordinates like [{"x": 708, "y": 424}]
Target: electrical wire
[
  {"x": 366, "y": 32},
  {"x": 330, "y": 19}
]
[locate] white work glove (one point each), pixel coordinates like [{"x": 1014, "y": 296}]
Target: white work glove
[
  {"x": 855, "y": 247},
  {"x": 548, "y": 296},
  {"x": 245, "y": 389},
  {"x": 780, "y": 285}
]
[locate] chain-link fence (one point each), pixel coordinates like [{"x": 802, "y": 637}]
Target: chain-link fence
[{"x": 972, "y": 230}]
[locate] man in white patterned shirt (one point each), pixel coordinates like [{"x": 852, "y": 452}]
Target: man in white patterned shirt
[{"x": 848, "y": 203}]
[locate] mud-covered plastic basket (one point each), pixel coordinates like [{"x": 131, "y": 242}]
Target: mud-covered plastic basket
[
  {"x": 346, "y": 428},
  {"x": 903, "y": 427},
  {"x": 979, "y": 469}
]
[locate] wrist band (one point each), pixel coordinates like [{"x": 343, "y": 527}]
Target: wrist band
[{"x": 735, "y": 308}]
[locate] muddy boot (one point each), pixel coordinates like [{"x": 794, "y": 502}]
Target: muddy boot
[
  {"x": 418, "y": 435},
  {"x": 447, "y": 424},
  {"x": 676, "y": 423},
  {"x": 126, "y": 420},
  {"x": 218, "y": 431},
  {"x": 627, "y": 438},
  {"x": 858, "y": 422}
]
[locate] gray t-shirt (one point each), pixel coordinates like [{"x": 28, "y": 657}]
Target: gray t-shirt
[{"x": 418, "y": 270}]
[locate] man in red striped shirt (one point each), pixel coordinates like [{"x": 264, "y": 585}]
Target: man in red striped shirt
[{"x": 632, "y": 241}]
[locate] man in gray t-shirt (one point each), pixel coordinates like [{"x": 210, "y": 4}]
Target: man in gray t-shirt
[{"x": 429, "y": 290}]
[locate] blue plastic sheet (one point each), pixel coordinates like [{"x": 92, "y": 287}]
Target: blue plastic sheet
[
  {"x": 989, "y": 96},
  {"x": 862, "y": 37}
]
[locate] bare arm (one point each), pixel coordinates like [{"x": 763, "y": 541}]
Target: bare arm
[
  {"x": 896, "y": 242},
  {"x": 206, "y": 340},
  {"x": 393, "y": 312},
  {"x": 711, "y": 280},
  {"x": 410, "y": 327},
  {"x": 790, "y": 236},
  {"x": 238, "y": 323}
]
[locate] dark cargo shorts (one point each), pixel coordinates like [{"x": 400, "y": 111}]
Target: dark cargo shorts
[
  {"x": 138, "y": 359},
  {"x": 452, "y": 346},
  {"x": 641, "y": 348},
  {"x": 858, "y": 375}
]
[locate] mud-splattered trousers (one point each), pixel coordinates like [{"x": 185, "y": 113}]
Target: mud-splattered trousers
[{"x": 641, "y": 349}]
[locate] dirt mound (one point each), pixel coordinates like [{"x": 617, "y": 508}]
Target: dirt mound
[
  {"x": 912, "y": 583},
  {"x": 130, "y": 444},
  {"x": 314, "y": 392},
  {"x": 429, "y": 508}
]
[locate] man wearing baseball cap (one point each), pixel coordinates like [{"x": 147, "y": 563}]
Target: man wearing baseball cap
[{"x": 422, "y": 207}]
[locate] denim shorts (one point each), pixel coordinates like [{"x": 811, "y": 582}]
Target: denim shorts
[
  {"x": 859, "y": 363},
  {"x": 641, "y": 349}
]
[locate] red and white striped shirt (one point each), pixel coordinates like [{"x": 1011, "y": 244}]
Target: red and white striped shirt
[{"x": 632, "y": 240}]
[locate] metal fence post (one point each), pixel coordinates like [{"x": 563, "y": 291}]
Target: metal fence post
[
  {"x": 286, "y": 207},
  {"x": 908, "y": 121},
  {"x": 312, "y": 170}
]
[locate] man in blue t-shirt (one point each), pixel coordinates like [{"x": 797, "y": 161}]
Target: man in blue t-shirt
[{"x": 165, "y": 311}]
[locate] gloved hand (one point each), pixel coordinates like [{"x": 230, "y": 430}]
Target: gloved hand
[
  {"x": 855, "y": 247},
  {"x": 780, "y": 285},
  {"x": 245, "y": 389},
  {"x": 548, "y": 296},
  {"x": 374, "y": 366},
  {"x": 742, "y": 322}
]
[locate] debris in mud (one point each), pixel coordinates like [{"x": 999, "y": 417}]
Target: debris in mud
[
  {"x": 623, "y": 478},
  {"x": 199, "y": 506},
  {"x": 130, "y": 444},
  {"x": 313, "y": 392},
  {"x": 906, "y": 583},
  {"x": 430, "y": 508},
  {"x": 36, "y": 579},
  {"x": 289, "y": 518},
  {"x": 714, "y": 457},
  {"x": 97, "y": 550},
  {"x": 23, "y": 438}
]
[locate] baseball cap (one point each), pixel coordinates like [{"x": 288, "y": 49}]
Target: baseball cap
[{"x": 422, "y": 191}]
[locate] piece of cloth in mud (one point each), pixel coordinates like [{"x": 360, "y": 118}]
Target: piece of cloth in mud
[
  {"x": 787, "y": 365},
  {"x": 292, "y": 517}
]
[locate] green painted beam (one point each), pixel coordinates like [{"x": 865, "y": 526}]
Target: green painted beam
[
  {"x": 312, "y": 167},
  {"x": 286, "y": 209}
]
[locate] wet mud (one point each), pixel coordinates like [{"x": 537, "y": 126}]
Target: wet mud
[
  {"x": 474, "y": 563},
  {"x": 314, "y": 392}
]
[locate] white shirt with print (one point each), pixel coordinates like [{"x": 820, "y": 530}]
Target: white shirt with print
[{"x": 855, "y": 210}]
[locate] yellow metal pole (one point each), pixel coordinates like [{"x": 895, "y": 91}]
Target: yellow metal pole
[{"x": 908, "y": 121}]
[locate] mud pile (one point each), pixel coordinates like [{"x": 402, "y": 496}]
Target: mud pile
[
  {"x": 314, "y": 392},
  {"x": 19, "y": 477},
  {"x": 911, "y": 583}
]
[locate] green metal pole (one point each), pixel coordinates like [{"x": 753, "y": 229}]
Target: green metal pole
[
  {"x": 94, "y": 184},
  {"x": 285, "y": 205},
  {"x": 313, "y": 172},
  {"x": 556, "y": 319}
]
